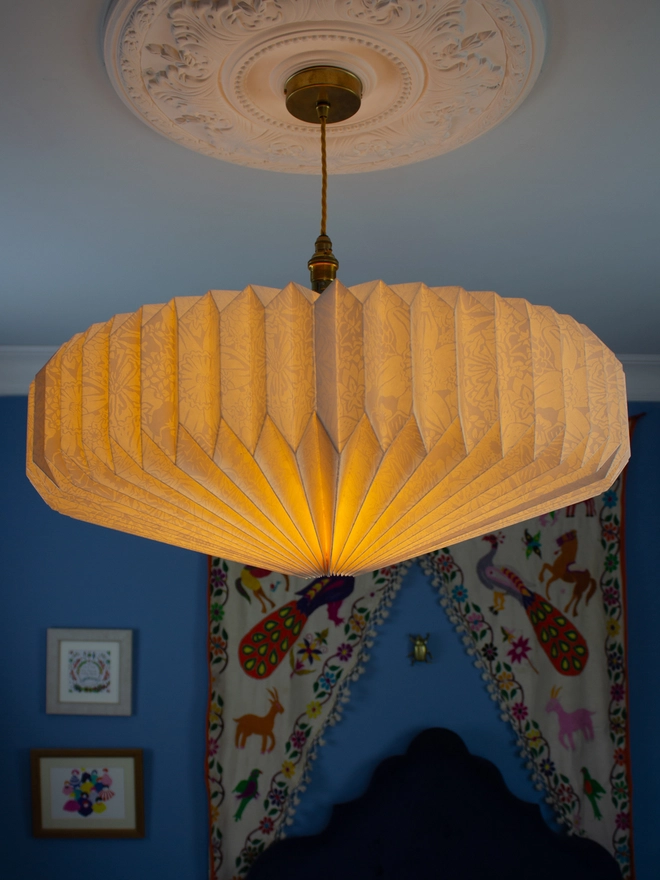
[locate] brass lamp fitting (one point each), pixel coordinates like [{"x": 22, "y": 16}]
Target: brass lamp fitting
[
  {"x": 321, "y": 95},
  {"x": 323, "y": 265}
]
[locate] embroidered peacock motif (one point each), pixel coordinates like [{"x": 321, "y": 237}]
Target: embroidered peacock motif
[
  {"x": 565, "y": 647},
  {"x": 262, "y": 649}
]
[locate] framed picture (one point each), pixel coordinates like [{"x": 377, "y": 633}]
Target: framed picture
[
  {"x": 87, "y": 793},
  {"x": 89, "y": 671}
]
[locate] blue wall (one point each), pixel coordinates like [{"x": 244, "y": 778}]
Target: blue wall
[
  {"x": 58, "y": 572},
  {"x": 643, "y": 579},
  {"x": 393, "y": 701}
]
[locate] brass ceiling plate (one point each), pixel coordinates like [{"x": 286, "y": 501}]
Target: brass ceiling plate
[{"x": 338, "y": 88}]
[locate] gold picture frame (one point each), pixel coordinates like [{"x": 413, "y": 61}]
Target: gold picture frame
[{"x": 87, "y": 792}]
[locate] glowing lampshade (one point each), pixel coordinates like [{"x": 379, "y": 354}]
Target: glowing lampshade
[{"x": 340, "y": 432}]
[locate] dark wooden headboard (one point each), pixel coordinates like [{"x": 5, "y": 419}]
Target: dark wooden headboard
[{"x": 436, "y": 812}]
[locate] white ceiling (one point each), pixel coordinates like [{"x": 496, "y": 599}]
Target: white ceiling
[{"x": 559, "y": 204}]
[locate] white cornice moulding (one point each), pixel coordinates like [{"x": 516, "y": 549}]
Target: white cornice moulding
[
  {"x": 20, "y": 363},
  {"x": 642, "y": 375}
]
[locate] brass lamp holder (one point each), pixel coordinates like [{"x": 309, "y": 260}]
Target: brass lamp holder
[{"x": 323, "y": 95}]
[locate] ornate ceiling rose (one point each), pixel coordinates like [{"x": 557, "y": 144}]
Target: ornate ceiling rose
[{"x": 210, "y": 74}]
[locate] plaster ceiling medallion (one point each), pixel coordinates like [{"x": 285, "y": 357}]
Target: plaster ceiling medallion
[{"x": 210, "y": 74}]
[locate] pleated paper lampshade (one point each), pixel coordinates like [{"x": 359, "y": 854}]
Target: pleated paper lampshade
[{"x": 336, "y": 433}]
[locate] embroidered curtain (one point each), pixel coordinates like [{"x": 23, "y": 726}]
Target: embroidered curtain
[
  {"x": 540, "y": 608},
  {"x": 283, "y": 652}
]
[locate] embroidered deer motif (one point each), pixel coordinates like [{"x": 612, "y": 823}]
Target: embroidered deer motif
[
  {"x": 259, "y": 725},
  {"x": 570, "y": 722}
]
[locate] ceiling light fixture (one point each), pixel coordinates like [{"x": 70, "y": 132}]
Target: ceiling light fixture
[{"x": 331, "y": 430}]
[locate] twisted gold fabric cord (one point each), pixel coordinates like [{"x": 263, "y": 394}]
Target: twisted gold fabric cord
[{"x": 324, "y": 175}]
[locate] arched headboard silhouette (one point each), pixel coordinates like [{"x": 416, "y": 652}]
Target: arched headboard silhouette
[{"x": 436, "y": 812}]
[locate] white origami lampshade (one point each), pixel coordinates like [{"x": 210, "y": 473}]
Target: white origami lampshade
[{"x": 336, "y": 433}]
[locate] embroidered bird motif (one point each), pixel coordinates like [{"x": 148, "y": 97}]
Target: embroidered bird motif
[
  {"x": 251, "y": 579},
  {"x": 262, "y": 649},
  {"x": 564, "y": 646},
  {"x": 247, "y": 791},
  {"x": 593, "y": 790}
]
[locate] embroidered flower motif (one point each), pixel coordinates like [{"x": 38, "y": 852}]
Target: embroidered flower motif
[
  {"x": 610, "y": 596},
  {"x": 519, "y": 650},
  {"x": 213, "y": 746},
  {"x": 519, "y": 711},
  {"x": 276, "y": 796},
  {"x": 215, "y": 713},
  {"x": 489, "y": 652},
  {"x": 344, "y": 653},
  {"x": 504, "y": 680},
  {"x": 623, "y": 853},
  {"x": 611, "y": 562},
  {"x": 310, "y": 649},
  {"x": 565, "y": 793},
  {"x": 508, "y": 635},
  {"x": 617, "y": 692},
  {"x": 475, "y": 621},
  {"x": 250, "y": 854},
  {"x": 358, "y": 623},
  {"x": 327, "y": 680},
  {"x": 610, "y": 532},
  {"x": 217, "y": 612},
  {"x": 547, "y": 767},
  {"x": 617, "y": 726},
  {"x": 288, "y": 768},
  {"x": 218, "y": 578},
  {"x": 298, "y": 739},
  {"x": 620, "y": 757},
  {"x": 445, "y": 563},
  {"x": 609, "y": 498},
  {"x": 217, "y": 646},
  {"x": 533, "y": 735},
  {"x": 620, "y": 788},
  {"x": 266, "y": 825},
  {"x": 614, "y": 661},
  {"x": 622, "y": 821},
  {"x": 313, "y": 709},
  {"x": 459, "y": 593},
  {"x": 215, "y": 813},
  {"x": 613, "y": 627}
]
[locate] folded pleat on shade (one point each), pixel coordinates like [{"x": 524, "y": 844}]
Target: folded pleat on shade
[{"x": 334, "y": 433}]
